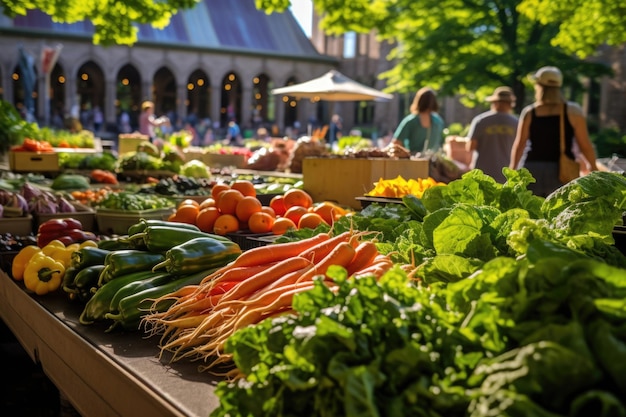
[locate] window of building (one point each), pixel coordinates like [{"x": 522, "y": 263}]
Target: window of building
[{"x": 349, "y": 45}]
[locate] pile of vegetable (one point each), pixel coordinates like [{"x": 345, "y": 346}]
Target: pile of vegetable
[
  {"x": 514, "y": 306},
  {"x": 260, "y": 283},
  {"x": 42, "y": 268},
  {"x": 180, "y": 185},
  {"x": 118, "y": 280},
  {"x": 65, "y": 230},
  {"x": 127, "y": 200},
  {"x": 105, "y": 161},
  {"x": 13, "y": 127}
]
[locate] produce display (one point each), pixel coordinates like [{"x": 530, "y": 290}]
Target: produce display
[
  {"x": 65, "y": 230},
  {"x": 235, "y": 207},
  {"x": 399, "y": 187},
  {"x": 116, "y": 278},
  {"x": 469, "y": 298},
  {"x": 259, "y": 284}
]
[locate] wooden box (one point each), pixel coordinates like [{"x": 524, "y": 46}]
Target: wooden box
[
  {"x": 33, "y": 161},
  {"x": 86, "y": 215},
  {"x": 129, "y": 143},
  {"x": 343, "y": 179},
  {"x": 216, "y": 160},
  {"x": 17, "y": 226}
]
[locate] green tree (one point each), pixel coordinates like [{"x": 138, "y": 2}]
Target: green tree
[
  {"x": 465, "y": 47},
  {"x": 584, "y": 24},
  {"x": 113, "y": 20}
]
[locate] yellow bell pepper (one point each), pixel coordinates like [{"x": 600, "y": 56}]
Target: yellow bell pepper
[
  {"x": 21, "y": 260},
  {"x": 64, "y": 255},
  {"x": 90, "y": 243},
  {"x": 43, "y": 274},
  {"x": 52, "y": 247}
]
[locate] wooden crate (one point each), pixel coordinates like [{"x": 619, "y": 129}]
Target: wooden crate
[
  {"x": 343, "y": 179},
  {"x": 34, "y": 161},
  {"x": 127, "y": 143},
  {"x": 216, "y": 160}
]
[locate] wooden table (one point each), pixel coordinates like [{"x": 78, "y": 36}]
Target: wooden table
[{"x": 102, "y": 374}]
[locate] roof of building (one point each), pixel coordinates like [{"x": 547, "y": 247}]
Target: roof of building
[{"x": 234, "y": 25}]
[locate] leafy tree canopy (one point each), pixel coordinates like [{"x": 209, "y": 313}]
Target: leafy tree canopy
[
  {"x": 465, "y": 47},
  {"x": 585, "y": 24},
  {"x": 113, "y": 20}
]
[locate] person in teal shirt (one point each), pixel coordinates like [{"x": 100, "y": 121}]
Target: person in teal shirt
[{"x": 422, "y": 129}]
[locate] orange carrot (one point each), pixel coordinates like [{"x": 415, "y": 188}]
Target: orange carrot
[
  {"x": 272, "y": 301},
  {"x": 266, "y": 277},
  {"x": 341, "y": 255},
  {"x": 290, "y": 278},
  {"x": 232, "y": 273},
  {"x": 377, "y": 269},
  {"x": 320, "y": 250},
  {"x": 277, "y": 251},
  {"x": 364, "y": 255},
  {"x": 268, "y": 293}
]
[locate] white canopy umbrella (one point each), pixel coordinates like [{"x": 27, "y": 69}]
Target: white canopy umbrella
[{"x": 333, "y": 86}]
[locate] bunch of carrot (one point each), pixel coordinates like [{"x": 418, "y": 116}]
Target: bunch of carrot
[{"x": 259, "y": 284}]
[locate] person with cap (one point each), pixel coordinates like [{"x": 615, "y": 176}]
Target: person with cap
[
  {"x": 148, "y": 121},
  {"x": 422, "y": 129},
  {"x": 492, "y": 133},
  {"x": 537, "y": 141}
]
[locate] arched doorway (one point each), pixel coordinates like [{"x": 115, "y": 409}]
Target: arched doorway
[
  {"x": 57, "y": 95},
  {"x": 90, "y": 90},
  {"x": 128, "y": 94},
  {"x": 230, "y": 103},
  {"x": 164, "y": 91},
  {"x": 291, "y": 106},
  {"x": 263, "y": 111},
  {"x": 198, "y": 103}
]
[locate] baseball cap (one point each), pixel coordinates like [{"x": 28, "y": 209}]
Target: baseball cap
[
  {"x": 548, "y": 77},
  {"x": 502, "y": 94}
]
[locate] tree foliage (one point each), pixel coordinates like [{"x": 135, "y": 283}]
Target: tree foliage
[
  {"x": 114, "y": 20},
  {"x": 584, "y": 24},
  {"x": 465, "y": 47}
]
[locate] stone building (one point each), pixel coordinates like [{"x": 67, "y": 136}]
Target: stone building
[{"x": 218, "y": 61}]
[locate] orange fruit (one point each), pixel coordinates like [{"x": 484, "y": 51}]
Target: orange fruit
[
  {"x": 294, "y": 213},
  {"x": 189, "y": 202},
  {"x": 215, "y": 190},
  {"x": 246, "y": 207},
  {"x": 328, "y": 211},
  {"x": 282, "y": 224},
  {"x": 206, "y": 219},
  {"x": 245, "y": 187},
  {"x": 225, "y": 223},
  {"x": 310, "y": 221},
  {"x": 228, "y": 200},
  {"x": 297, "y": 197},
  {"x": 268, "y": 210},
  {"x": 207, "y": 202},
  {"x": 171, "y": 217},
  {"x": 187, "y": 213},
  {"x": 260, "y": 222},
  {"x": 278, "y": 204}
]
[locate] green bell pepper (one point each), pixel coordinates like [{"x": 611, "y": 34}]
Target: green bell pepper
[
  {"x": 123, "y": 262},
  {"x": 198, "y": 254}
]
